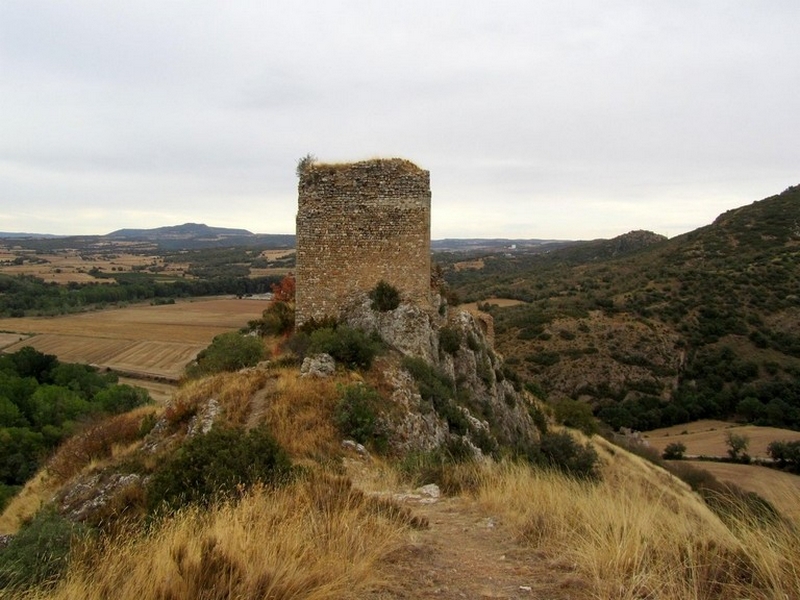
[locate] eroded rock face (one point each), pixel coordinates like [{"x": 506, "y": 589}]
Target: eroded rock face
[
  {"x": 489, "y": 403},
  {"x": 90, "y": 495},
  {"x": 408, "y": 328}
]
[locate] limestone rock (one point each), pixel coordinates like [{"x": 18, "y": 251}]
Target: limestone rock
[{"x": 318, "y": 365}]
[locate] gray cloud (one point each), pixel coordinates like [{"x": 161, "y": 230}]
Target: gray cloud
[{"x": 548, "y": 119}]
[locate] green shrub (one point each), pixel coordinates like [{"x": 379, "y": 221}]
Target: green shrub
[
  {"x": 356, "y": 414},
  {"x": 214, "y": 466},
  {"x": 576, "y": 414},
  {"x": 39, "y": 553},
  {"x": 228, "y": 352},
  {"x": 449, "y": 340},
  {"x": 346, "y": 345},
  {"x": 674, "y": 451},
  {"x": 384, "y": 297},
  {"x": 560, "y": 451}
]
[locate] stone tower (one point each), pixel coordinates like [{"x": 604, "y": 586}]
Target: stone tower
[{"x": 357, "y": 224}]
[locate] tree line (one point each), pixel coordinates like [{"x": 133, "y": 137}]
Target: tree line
[{"x": 27, "y": 295}]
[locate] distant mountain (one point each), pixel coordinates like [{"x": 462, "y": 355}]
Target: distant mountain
[
  {"x": 185, "y": 231},
  {"x": 8, "y": 235},
  {"x": 191, "y": 236}
]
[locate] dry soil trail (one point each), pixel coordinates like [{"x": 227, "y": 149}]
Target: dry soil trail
[{"x": 466, "y": 553}]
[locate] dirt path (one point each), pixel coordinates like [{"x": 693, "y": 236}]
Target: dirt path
[{"x": 468, "y": 554}]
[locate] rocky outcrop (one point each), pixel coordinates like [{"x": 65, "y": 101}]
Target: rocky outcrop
[{"x": 495, "y": 412}]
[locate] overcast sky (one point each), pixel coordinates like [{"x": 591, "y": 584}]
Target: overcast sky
[{"x": 537, "y": 119}]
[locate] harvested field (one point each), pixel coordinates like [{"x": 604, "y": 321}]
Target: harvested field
[
  {"x": 781, "y": 489},
  {"x": 707, "y": 437},
  {"x": 7, "y": 339},
  {"x": 143, "y": 341},
  {"x": 501, "y": 302}
]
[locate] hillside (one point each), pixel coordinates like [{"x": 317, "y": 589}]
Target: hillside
[
  {"x": 659, "y": 332},
  {"x": 358, "y": 525}
]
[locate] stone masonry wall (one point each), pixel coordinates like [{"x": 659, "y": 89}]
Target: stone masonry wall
[{"x": 358, "y": 223}]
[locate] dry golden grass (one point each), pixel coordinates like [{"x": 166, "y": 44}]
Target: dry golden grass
[
  {"x": 316, "y": 539},
  {"x": 36, "y": 493},
  {"x": 707, "y": 437},
  {"x": 100, "y": 441},
  {"x": 641, "y": 534},
  {"x": 300, "y": 414}
]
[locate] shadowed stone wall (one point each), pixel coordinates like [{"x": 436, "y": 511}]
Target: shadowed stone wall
[{"x": 358, "y": 223}]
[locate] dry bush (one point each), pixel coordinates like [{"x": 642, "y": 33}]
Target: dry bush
[
  {"x": 642, "y": 534},
  {"x": 314, "y": 539},
  {"x": 95, "y": 442}
]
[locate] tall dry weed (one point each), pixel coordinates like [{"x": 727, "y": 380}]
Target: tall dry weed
[
  {"x": 300, "y": 415},
  {"x": 641, "y": 534},
  {"x": 315, "y": 539},
  {"x": 95, "y": 442}
]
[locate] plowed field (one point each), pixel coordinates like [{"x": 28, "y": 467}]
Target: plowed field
[{"x": 144, "y": 341}]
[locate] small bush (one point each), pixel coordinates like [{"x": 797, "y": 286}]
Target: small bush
[
  {"x": 560, "y": 451},
  {"x": 277, "y": 319},
  {"x": 356, "y": 415},
  {"x": 384, "y": 297},
  {"x": 216, "y": 465},
  {"x": 449, "y": 340},
  {"x": 346, "y": 345},
  {"x": 228, "y": 352},
  {"x": 674, "y": 451},
  {"x": 438, "y": 389},
  {"x": 39, "y": 553}
]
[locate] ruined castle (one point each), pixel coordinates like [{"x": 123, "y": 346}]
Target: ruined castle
[{"x": 357, "y": 224}]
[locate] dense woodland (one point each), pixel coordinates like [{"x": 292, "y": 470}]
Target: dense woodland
[{"x": 42, "y": 402}]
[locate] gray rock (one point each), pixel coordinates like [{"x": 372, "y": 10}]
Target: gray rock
[{"x": 318, "y": 365}]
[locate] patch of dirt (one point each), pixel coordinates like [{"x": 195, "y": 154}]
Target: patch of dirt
[{"x": 465, "y": 553}]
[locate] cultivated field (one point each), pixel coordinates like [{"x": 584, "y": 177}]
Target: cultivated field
[
  {"x": 707, "y": 437},
  {"x": 779, "y": 488},
  {"x": 142, "y": 340},
  {"x": 66, "y": 266}
]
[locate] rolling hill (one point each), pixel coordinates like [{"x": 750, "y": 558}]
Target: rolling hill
[{"x": 658, "y": 332}]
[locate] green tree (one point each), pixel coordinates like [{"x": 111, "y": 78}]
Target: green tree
[
  {"x": 576, "y": 414},
  {"x": 55, "y": 405},
  {"x": 121, "y": 398},
  {"x": 674, "y": 451},
  {"x": 737, "y": 446}
]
